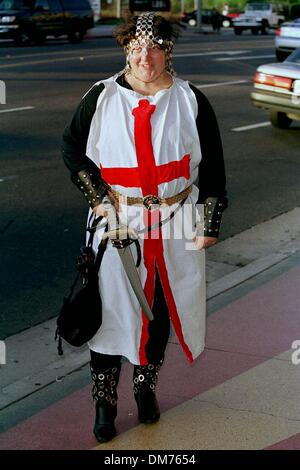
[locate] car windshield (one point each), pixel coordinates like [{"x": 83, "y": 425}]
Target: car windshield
[
  {"x": 257, "y": 6},
  {"x": 15, "y": 4},
  {"x": 294, "y": 57}
]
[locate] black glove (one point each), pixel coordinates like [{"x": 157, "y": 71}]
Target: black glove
[
  {"x": 213, "y": 209},
  {"x": 91, "y": 185}
]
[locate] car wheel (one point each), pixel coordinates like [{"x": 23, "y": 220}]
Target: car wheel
[
  {"x": 76, "y": 36},
  {"x": 280, "y": 120},
  {"x": 280, "y": 55},
  {"x": 22, "y": 38},
  {"x": 254, "y": 31},
  {"x": 39, "y": 39},
  {"x": 238, "y": 31},
  {"x": 192, "y": 22}
]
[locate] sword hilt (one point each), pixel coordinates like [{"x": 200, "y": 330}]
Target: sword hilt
[
  {"x": 121, "y": 233},
  {"x": 116, "y": 231},
  {"x": 111, "y": 214}
]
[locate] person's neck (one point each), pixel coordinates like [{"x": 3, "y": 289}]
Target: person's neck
[{"x": 163, "y": 81}]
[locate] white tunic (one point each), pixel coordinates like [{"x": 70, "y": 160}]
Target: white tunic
[{"x": 112, "y": 146}]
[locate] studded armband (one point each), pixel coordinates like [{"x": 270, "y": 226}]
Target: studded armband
[
  {"x": 91, "y": 185},
  {"x": 213, "y": 209}
]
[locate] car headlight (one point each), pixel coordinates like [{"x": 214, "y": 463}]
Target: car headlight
[
  {"x": 259, "y": 20},
  {"x": 7, "y": 19}
]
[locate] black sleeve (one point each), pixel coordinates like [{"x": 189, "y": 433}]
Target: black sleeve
[
  {"x": 84, "y": 173},
  {"x": 76, "y": 132},
  {"x": 212, "y": 179}
]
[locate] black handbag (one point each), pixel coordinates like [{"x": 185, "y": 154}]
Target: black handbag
[{"x": 80, "y": 316}]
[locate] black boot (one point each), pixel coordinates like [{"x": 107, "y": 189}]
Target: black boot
[
  {"x": 145, "y": 380},
  {"x": 105, "y": 396}
]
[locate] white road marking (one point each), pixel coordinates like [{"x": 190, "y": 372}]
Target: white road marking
[
  {"x": 236, "y": 82},
  {"x": 58, "y": 59},
  {"x": 252, "y": 126},
  {"x": 25, "y": 108},
  {"x": 195, "y": 54},
  {"x": 269, "y": 56},
  {"x": 109, "y": 54},
  {"x": 107, "y": 51},
  {"x": 50, "y": 53},
  {"x": 7, "y": 178}
]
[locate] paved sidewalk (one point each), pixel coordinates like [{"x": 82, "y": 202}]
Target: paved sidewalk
[
  {"x": 242, "y": 393},
  {"x": 100, "y": 31}
]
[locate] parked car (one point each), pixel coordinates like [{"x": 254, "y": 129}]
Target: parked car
[
  {"x": 206, "y": 15},
  {"x": 27, "y": 21},
  {"x": 277, "y": 90},
  {"x": 287, "y": 39},
  {"x": 258, "y": 17}
]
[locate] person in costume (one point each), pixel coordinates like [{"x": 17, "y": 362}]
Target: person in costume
[{"x": 150, "y": 142}]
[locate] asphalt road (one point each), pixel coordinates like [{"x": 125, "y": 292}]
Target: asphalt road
[{"x": 43, "y": 214}]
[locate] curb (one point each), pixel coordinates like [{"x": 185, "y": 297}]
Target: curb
[
  {"x": 100, "y": 32},
  {"x": 77, "y": 358},
  {"x": 243, "y": 274}
]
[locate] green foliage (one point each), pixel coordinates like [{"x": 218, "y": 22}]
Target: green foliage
[
  {"x": 189, "y": 5},
  {"x": 234, "y": 5},
  {"x": 108, "y": 7}
]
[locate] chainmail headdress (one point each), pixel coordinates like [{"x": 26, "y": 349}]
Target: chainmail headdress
[{"x": 144, "y": 36}]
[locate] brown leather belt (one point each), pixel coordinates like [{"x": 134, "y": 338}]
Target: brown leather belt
[{"x": 150, "y": 201}]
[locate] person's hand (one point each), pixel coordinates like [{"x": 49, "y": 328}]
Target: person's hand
[
  {"x": 204, "y": 242},
  {"x": 100, "y": 210}
]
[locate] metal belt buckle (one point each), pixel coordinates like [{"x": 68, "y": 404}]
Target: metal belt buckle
[{"x": 150, "y": 200}]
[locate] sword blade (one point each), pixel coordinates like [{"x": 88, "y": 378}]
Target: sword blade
[
  {"x": 127, "y": 259},
  {"x": 132, "y": 274}
]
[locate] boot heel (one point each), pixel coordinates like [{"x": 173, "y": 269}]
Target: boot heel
[
  {"x": 104, "y": 428},
  {"x": 148, "y": 408},
  {"x": 144, "y": 384},
  {"x": 105, "y": 397}
]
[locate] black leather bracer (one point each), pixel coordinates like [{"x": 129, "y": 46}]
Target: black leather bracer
[
  {"x": 213, "y": 209},
  {"x": 91, "y": 185}
]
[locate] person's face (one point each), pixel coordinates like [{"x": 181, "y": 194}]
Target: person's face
[{"x": 147, "y": 61}]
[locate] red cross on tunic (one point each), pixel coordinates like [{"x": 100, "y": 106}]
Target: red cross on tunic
[{"x": 147, "y": 175}]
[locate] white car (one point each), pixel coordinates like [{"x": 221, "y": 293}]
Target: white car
[
  {"x": 287, "y": 39},
  {"x": 258, "y": 17},
  {"x": 277, "y": 90}
]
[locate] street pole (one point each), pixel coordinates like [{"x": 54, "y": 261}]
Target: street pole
[
  {"x": 182, "y": 6},
  {"x": 118, "y": 8},
  {"x": 199, "y": 15}
]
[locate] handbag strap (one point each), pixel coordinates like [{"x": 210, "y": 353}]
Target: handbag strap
[
  {"x": 100, "y": 253},
  {"x": 91, "y": 228}
]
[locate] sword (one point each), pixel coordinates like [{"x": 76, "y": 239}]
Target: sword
[{"x": 115, "y": 231}]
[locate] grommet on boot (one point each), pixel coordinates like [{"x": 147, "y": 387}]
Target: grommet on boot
[
  {"x": 105, "y": 396},
  {"x": 144, "y": 384}
]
